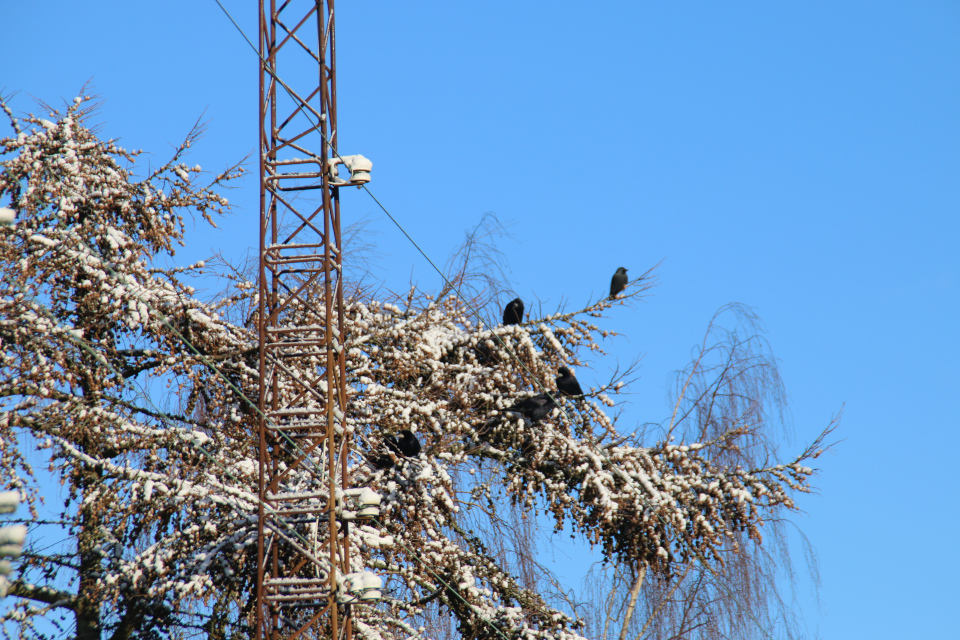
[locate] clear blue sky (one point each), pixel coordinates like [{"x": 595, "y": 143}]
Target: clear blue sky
[{"x": 799, "y": 157}]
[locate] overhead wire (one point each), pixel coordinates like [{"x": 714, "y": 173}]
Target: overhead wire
[
  {"x": 536, "y": 381},
  {"x": 306, "y": 113},
  {"x": 597, "y": 449},
  {"x": 718, "y": 580},
  {"x": 85, "y": 345}
]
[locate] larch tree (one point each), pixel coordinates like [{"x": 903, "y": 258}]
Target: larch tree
[
  {"x": 90, "y": 322},
  {"x": 161, "y": 503}
]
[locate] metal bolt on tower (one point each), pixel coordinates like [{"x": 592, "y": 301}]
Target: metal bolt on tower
[{"x": 304, "y": 549}]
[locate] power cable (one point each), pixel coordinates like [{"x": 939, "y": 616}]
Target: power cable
[
  {"x": 85, "y": 345},
  {"x": 718, "y": 580},
  {"x": 613, "y": 467}
]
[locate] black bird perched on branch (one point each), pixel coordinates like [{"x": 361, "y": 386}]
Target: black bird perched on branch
[
  {"x": 567, "y": 383},
  {"x": 407, "y": 446},
  {"x": 619, "y": 282},
  {"x": 536, "y": 408},
  {"x": 513, "y": 312}
]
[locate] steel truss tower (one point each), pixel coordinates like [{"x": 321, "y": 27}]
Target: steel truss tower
[{"x": 303, "y": 548}]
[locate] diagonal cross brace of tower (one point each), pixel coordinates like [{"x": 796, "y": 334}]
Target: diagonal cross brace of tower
[{"x": 303, "y": 446}]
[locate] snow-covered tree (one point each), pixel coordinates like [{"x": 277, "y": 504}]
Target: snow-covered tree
[
  {"x": 730, "y": 398},
  {"x": 139, "y": 389},
  {"x": 90, "y": 322},
  {"x": 695, "y": 496}
]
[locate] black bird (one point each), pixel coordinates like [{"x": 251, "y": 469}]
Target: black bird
[
  {"x": 567, "y": 383},
  {"x": 619, "y": 282},
  {"x": 407, "y": 446},
  {"x": 536, "y": 408},
  {"x": 513, "y": 312}
]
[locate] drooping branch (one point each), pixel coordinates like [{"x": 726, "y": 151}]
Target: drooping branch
[{"x": 48, "y": 595}]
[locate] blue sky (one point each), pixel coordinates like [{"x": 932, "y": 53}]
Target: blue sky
[{"x": 802, "y": 158}]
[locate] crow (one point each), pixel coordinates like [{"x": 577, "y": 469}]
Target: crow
[
  {"x": 513, "y": 312},
  {"x": 407, "y": 446},
  {"x": 619, "y": 282},
  {"x": 567, "y": 383},
  {"x": 536, "y": 408}
]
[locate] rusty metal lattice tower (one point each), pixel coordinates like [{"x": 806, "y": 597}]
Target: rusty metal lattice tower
[{"x": 303, "y": 548}]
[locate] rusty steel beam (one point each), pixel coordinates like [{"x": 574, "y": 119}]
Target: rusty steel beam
[{"x": 301, "y": 545}]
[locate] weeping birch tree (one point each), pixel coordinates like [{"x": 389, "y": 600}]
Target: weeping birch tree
[{"x": 731, "y": 402}]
